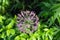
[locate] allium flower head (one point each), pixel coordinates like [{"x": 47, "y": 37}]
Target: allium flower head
[{"x": 27, "y": 21}]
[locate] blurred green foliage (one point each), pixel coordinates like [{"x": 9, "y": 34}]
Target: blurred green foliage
[
  {"x": 3, "y": 5},
  {"x": 48, "y": 12}
]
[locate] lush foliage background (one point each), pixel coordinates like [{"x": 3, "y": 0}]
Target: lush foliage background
[{"x": 48, "y": 12}]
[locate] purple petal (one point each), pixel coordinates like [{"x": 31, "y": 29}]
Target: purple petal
[{"x": 19, "y": 15}]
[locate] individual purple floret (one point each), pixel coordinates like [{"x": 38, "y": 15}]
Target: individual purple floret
[{"x": 27, "y": 21}]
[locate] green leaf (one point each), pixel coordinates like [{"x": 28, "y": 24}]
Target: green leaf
[
  {"x": 22, "y": 39},
  {"x": 17, "y": 38},
  {"x": 32, "y": 38},
  {"x": 10, "y": 25},
  {"x": 3, "y": 35},
  {"x": 10, "y": 32},
  {"x": 5, "y": 3},
  {"x": 1, "y": 29},
  {"x": 2, "y": 18},
  {"x": 23, "y": 35}
]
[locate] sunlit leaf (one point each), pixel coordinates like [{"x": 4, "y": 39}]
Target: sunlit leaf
[
  {"x": 10, "y": 25},
  {"x": 17, "y": 38},
  {"x": 3, "y": 35}
]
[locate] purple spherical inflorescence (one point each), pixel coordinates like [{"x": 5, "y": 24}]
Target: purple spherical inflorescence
[{"x": 27, "y": 21}]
